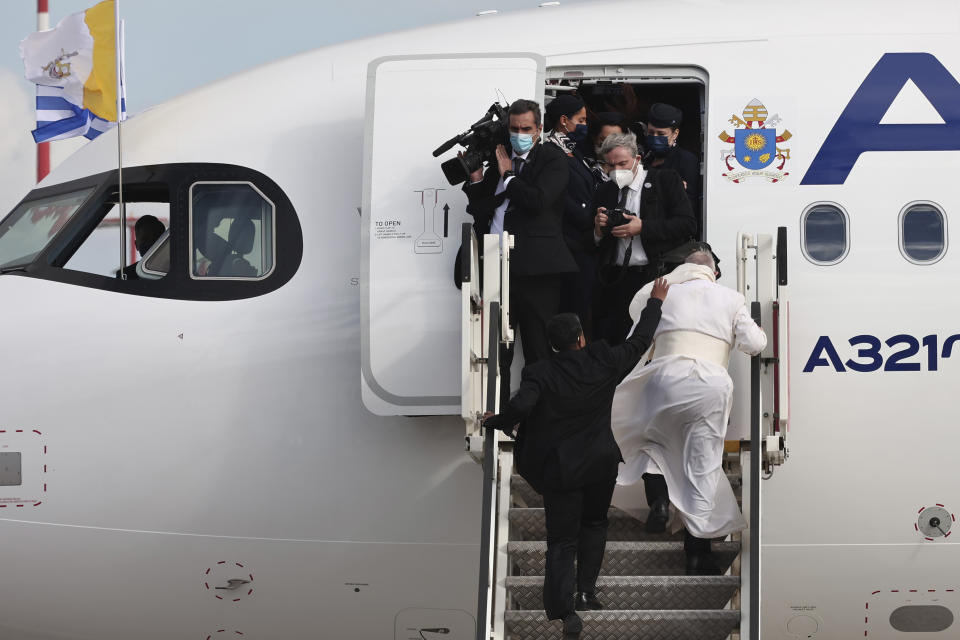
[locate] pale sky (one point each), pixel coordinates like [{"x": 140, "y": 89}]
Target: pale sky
[{"x": 173, "y": 46}]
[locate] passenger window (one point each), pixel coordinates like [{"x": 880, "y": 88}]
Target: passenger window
[
  {"x": 98, "y": 253},
  {"x": 825, "y": 230},
  {"x": 923, "y": 233},
  {"x": 232, "y": 230}
]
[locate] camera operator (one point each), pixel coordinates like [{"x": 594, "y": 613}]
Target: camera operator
[
  {"x": 523, "y": 194},
  {"x": 641, "y": 214}
]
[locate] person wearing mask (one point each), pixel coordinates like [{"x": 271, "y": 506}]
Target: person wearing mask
[
  {"x": 566, "y": 451},
  {"x": 566, "y": 121},
  {"x": 658, "y": 219},
  {"x": 605, "y": 123},
  {"x": 662, "y": 152},
  {"x": 523, "y": 194},
  {"x": 670, "y": 416}
]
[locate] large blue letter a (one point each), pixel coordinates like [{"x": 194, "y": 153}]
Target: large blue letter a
[{"x": 858, "y": 129}]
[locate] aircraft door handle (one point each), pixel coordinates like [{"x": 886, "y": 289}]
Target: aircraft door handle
[{"x": 234, "y": 584}]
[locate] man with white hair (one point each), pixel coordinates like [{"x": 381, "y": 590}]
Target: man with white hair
[
  {"x": 670, "y": 416},
  {"x": 631, "y": 245}
]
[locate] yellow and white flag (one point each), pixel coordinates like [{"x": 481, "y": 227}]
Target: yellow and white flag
[{"x": 74, "y": 66}]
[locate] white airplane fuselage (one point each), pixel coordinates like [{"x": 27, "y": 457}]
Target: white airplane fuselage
[{"x": 185, "y": 443}]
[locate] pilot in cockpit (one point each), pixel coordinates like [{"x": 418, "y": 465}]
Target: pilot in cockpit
[{"x": 146, "y": 232}]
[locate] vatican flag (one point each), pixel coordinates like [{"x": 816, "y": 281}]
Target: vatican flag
[{"x": 74, "y": 66}]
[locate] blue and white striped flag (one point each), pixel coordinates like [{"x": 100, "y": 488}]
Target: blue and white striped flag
[{"x": 74, "y": 68}]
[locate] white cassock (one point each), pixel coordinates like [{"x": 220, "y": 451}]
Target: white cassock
[{"x": 670, "y": 416}]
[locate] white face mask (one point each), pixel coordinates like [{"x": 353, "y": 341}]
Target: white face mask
[{"x": 623, "y": 177}]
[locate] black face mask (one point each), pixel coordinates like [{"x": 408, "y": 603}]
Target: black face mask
[{"x": 659, "y": 146}]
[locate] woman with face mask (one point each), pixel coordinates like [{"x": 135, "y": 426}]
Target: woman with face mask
[{"x": 566, "y": 123}]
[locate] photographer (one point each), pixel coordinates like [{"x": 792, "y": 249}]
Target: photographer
[
  {"x": 523, "y": 194},
  {"x": 641, "y": 214}
]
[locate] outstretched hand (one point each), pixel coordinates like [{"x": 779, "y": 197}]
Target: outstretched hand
[{"x": 660, "y": 288}]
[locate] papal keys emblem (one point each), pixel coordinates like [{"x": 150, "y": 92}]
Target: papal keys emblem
[{"x": 756, "y": 149}]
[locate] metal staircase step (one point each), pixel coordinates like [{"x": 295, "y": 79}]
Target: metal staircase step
[
  {"x": 531, "y": 524},
  {"x": 638, "y": 592},
  {"x": 622, "y": 558},
  {"x": 627, "y": 625},
  {"x": 524, "y": 495}
]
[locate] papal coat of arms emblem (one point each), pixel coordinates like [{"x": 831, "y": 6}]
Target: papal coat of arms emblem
[
  {"x": 755, "y": 152},
  {"x": 59, "y": 68}
]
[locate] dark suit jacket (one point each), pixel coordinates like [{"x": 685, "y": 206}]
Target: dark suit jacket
[
  {"x": 686, "y": 164},
  {"x": 578, "y": 205},
  {"x": 664, "y": 208},
  {"x": 563, "y": 407},
  {"x": 534, "y": 215}
]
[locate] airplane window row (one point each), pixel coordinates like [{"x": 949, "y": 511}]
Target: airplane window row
[{"x": 825, "y": 233}]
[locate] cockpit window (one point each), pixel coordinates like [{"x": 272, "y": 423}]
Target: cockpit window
[
  {"x": 32, "y": 225},
  {"x": 232, "y": 231}
]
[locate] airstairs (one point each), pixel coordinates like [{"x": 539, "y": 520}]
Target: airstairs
[{"x": 642, "y": 583}]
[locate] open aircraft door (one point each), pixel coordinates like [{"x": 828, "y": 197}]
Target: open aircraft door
[{"x": 412, "y": 218}]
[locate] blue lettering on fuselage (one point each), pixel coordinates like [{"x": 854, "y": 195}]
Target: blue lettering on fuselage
[{"x": 859, "y": 130}]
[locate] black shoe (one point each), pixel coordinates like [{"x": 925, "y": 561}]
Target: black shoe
[
  {"x": 703, "y": 565},
  {"x": 587, "y": 601},
  {"x": 659, "y": 514},
  {"x": 572, "y": 626}
]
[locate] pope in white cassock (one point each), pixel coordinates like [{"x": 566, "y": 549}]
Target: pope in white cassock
[{"x": 670, "y": 416}]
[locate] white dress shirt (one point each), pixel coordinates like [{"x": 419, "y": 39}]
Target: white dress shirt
[
  {"x": 638, "y": 257},
  {"x": 496, "y": 225}
]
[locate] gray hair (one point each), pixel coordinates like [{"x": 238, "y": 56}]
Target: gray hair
[
  {"x": 703, "y": 258},
  {"x": 626, "y": 140}
]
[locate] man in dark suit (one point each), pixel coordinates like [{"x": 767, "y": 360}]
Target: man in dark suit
[
  {"x": 566, "y": 451},
  {"x": 524, "y": 196},
  {"x": 631, "y": 255}
]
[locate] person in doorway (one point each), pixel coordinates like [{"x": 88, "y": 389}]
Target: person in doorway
[
  {"x": 566, "y": 121},
  {"x": 566, "y": 451},
  {"x": 670, "y": 416},
  {"x": 523, "y": 194},
  {"x": 606, "y": 123},
  {"x": 658, "y": 218},
  {"x": 662, "y": 152}
]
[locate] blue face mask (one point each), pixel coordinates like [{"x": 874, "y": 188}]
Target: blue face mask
[
  {"x": 579, "y": 134},
  {"x": 658, "y": 145},
  {"x": 521, "y": 142}
]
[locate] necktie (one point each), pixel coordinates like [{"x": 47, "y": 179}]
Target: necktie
[
  {"x": 517, "y": 165},
  {"x": 624, "y": 192}
]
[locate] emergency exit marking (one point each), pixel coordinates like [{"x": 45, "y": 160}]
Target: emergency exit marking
[{"x": 12, "y": 464}]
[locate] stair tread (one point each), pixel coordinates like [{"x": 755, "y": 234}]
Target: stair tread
[
  {"x": 638, "y": 593},
  {"x": 626, "y": 558},
  {"x": 612, "y": 624},
  {"x": 530, "y": 523},
  {"x": 638, "y": 580}
]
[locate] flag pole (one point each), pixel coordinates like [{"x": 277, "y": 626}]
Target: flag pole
[
  {"x": 123, "y": 208},
  {"x": 43, "y": 148}
]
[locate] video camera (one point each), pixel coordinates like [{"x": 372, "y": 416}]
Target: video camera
[{"x": 480, "y": 140}]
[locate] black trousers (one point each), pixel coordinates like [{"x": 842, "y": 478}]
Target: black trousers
[
  {"x": 612, "y": 319},
  {"x": 576, "y": 530},
  {"x": 534, "y": 300},
  {"x": 655, "y": 488}
]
